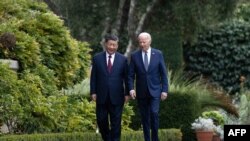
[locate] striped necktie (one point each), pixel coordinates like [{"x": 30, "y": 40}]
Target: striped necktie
[
  {"x": 109, "y": 64},
  {"x": 146, "y": 60}
]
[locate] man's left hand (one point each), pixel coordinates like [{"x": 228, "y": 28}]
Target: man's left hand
[{"x": 164, "y": 96}]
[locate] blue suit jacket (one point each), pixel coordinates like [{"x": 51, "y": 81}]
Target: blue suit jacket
[
  {"x": 103, "y": 83},
  {"x": 155, "y": 79}
]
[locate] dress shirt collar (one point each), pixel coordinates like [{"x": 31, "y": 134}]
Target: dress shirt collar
[
  {"x": 148, "y": 51},
  {"x": 112, "y": 57}
]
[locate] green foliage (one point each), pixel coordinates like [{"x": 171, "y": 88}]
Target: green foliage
[
  {"x": 244, "y": 108},
  {"x": 166, "y": 135},
  {"x": 80, "y": 89},
  {"x": 80, "y": 116},
  {"x": 217, "y": 118},
  {"x": 48, "y": 85},
  {"x": 242, "y": 101},
  {"x": 49, "y": 59},
  {"x": 127, "y": 117},
  {"x": 171, "y": 46},
  {"x": 43, "y": 39},
  {"x": 10, "y": 108},
  {"x": 25, "y": 109},
  {"x": 31, "y": 111},
  {"x": 172, "y": 109},
  {"x": 242, "y": 12},
  {"x": 221, "y": 54},
  {"x": 55, "y": 113}
]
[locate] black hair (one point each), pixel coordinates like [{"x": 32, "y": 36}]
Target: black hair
[{"x": 110, "y": 37}]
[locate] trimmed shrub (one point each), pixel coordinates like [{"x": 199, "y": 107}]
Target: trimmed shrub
[
  {"x": 221, "y": 55},
  {"x": 178, "y": 112},
  {"x": 164, "y": 135}
]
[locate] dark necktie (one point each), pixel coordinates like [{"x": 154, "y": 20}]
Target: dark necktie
[
  {"x": 146, "y": 61},
  {"x": 109, "y": 64}
]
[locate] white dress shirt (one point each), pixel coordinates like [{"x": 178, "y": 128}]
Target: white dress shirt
[
  {"x": 148, "y": 53},
  {"x": 112, "y": 58}
]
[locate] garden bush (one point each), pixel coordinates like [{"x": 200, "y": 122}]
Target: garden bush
[
  {"x": 221, "y": 55},
  {"x": 42, "y": 39},
  {"x": 49, "y": 59}
]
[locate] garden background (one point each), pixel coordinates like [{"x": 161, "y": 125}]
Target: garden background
[{"x": 206, "y": 45}]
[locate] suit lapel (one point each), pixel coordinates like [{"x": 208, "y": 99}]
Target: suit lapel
[
  {"x": 115, "y": 63},
  {"x": 152, "y": 58},
  {"x": 105, "y": 65}
]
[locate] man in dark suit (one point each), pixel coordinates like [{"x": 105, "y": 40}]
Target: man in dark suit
[
  {"x": 147, "y": 67},
  {"x": 107, "y": 88}
]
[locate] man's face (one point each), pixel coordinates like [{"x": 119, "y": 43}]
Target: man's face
[
  {"x": 111, "y": 46},
  {"x": 144, "y": 42}
]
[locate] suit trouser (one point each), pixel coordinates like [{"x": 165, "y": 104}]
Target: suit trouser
[
  {"x": 149, "y": 109},
  {"x": 106, "y": 112}
]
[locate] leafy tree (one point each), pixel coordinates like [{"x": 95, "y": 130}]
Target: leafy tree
[
  {"x": 41, "y": 38},
  {"x": 49, "y": 59}
]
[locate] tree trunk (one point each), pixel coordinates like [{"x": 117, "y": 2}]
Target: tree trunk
[
  {"x": 133, "y": 32},
  {"x": 105, "y": 31},
  {"x": 131, "y": 28},
  {"x": 117, "y": 23}
]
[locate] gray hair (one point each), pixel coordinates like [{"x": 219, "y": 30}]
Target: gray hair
[{"x": 145, "y": 34}]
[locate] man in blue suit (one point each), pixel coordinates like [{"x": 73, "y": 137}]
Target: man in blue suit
[
  {"x": 147, "y": 67},
  {"x": 107, "y": 88}
]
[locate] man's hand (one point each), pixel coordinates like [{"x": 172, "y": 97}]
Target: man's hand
[
  {"x": 164, "y": 96},
  {"x": 126, "y": 98},
  {"x": 93, "y": 96},
  {"x": 132, "y": 94}
]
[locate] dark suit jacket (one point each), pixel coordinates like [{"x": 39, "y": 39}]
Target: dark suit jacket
[
  {"x": 103, "y": 83},
  {"x": 155, "y": 79}
]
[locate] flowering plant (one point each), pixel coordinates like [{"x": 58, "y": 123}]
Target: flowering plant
[
  {"x": 203, "y": 124},
  {"x": 219, "y": 131}
]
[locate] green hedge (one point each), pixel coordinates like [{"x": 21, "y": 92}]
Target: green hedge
[
  {"x": 164, "y": 135},
  {"x": 181, "y": 111},
  {"x": 221, "y": 54}
]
